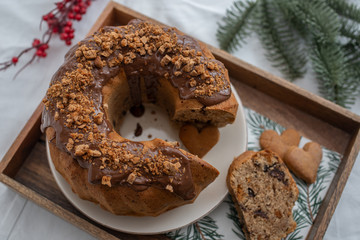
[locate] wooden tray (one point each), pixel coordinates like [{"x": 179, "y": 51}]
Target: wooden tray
[{"x": 25, "y": 167}]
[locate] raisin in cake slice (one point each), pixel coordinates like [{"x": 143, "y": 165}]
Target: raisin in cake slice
[{"x": 264, "y": 194}]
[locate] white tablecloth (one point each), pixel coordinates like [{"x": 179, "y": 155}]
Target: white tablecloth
[{"x": 22, "y": 219}]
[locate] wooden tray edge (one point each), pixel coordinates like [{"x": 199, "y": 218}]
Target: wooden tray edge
[
  {"x": 23, "y": 143},
  {"x": 335, "y": 190},
  {"x": 55, "y": 209}
]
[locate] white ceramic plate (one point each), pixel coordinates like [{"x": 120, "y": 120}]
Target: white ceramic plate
[{"x": 155, "y": 123}]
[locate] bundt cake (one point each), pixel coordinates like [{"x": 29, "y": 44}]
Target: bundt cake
[{"x": 115, "y": 70}]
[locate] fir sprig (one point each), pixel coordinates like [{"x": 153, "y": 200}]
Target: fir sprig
[
  {"x": 176, "y": 235},
  {"x": 300, "y": 224},
  {"x": 334, "y": 160},
  {"x": 321, "y": 21},
  {"x": 205, "y": 228},
  {"x": 257, "y": 123},
  {"x": 310, "y": 198},
  {"x": 345, "y": 9},
  {"x": 233, "y": 215},
  {"x": 295, "y": 31},
  {"x": 289, "y": 12},
  {"x": 283, "y": 47},
  {"x": 350, "y": 30},
  {"x": 236, "y": 25},
  {"x": 352, "y": 55},
  {"x": 329, "y": 63}
]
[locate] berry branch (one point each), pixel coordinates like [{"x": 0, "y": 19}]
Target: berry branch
[{"x": 59, "y": 22}]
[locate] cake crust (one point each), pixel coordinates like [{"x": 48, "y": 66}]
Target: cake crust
[{"x": 122, "y": 199}]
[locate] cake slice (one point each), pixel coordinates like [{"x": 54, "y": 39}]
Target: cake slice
[{"x": 264, "y": 194}]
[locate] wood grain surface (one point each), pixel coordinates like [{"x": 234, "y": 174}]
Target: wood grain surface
[{"x": 25, "y": 167}]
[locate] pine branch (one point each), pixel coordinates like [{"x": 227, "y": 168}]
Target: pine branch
[
  {"x": 350, "y": 30},
  {"x": 310, "y": 198},
  {"x": 328, "y": 28},
  {"x": 233, "y": 215},
  {"x": 327, "y": 58},
  {"x": 235, "y": 26},
  {"x": 257, "y": 123},
  {"x": 290, "y": 12},
  {"x": 176, "y": 235},
  {"x": 302, "y": 200},
  {"x": 334, "y": 160},
  {"x": 300, "y": 224},
  {"x": 205, "y": 228},
  {"x": 322, "y": 22},
  {"x": 345, "y": 9},
  {"x": 352, "y": 55},
  {"x": 252, "y": 146},
  {"x": 280, "y": 41},
  {"x": 308, "y": 204},
  {"x": 314, "y": 194},
  {"x": 330, "y": 67}
]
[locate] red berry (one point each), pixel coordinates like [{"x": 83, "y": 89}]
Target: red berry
[
  {"x": 88, "y": 2},
  {"x": 68, "y": 42},
  {"x": 70, "y": 36},
  {"x": 45, "y": 17},
  {"x": 60, "y": 5},
  {"x": 51, "y": 15},
  {"x": 63, "y": 36},
  {"x": 68, "y": 23},
  {"x": 44, "y": 46},
  {"x": 39, "y": 52},
  {"x": 51, "y": 22},
  {"x": 14, "y": 60},
  {"x": 71, "y": 15},
  {"x": 55, "y": 29},
  {"x": 67, "y": 29},
  {"x": 43, "y": 54},
  {"x": 76, "y": 8},
  {"x": 35, "y": 42},
  {"x": 83, "y": 10},
  {"x": 78, "y": 17}
]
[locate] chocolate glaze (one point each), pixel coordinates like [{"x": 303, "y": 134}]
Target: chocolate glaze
[
  {"x": 145, "y": 67},
  {"x": 138, "y": 130},
  {"x": 137, "y": 111}
]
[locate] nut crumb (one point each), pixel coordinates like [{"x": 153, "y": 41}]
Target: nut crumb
[
  {"x": 98, "y": 118},
  {"x": 106, "y": 180},
  {"x": 169, "y": 188},
  {"x": 81, "y": 149},
  {"x": 131, "y": 178},
  {"x": 98, "y": 63},
  {"x": 94, "y": 153}
]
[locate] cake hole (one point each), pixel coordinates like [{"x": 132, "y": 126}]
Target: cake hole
[{"x": 155, "y": 123}]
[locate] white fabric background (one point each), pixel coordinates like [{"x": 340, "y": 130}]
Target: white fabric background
[{"x": 19, "y": 25}]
